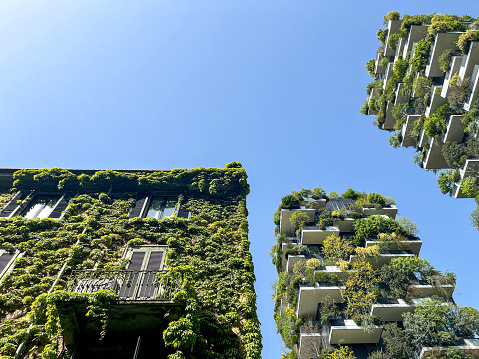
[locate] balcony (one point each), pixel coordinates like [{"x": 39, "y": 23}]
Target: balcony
[
  {"x": 454, "y": 129},
  {"x": 426, "y": 290},
  {"x": 345, "y": 225},
  {"x": 128, "y": 285},
  {"x": 292, "y": 260},
  {"x": 474, "y": 86},
  {"x": 314, "y": 235},
  {"x": 390, "y": 211},
  {"x": 416, "y": 33},
  {"x": 436, "y": 101},
  {"x": 378, "y": 69},
  {"x": 455, "y": 67},
  {"x": 342, "y": 275},
  {"x": 285, "y": 223},
  {"x": 309, "y": 296},
  {"x": 469, "y": 346},
  {"x": 346, "y": 331},
  {"x": 434, "y": 158},
  {"x": 471, "y": 168},
  {"x": 384, "y": 258},
  {"x": 311, "y": 340},
  {"x": 391, "y": 310},
  {"x": 414, "y": 245},
  {"x": 393, "y": 28},
  {"x": 469, "y": 61},
  {"x": 136, "y": 320},
  {"x": 407, "y": 128},
  {"x": 442, "y": 41}
]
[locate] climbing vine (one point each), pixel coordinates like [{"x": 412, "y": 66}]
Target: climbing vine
[{"x": 209, "y": 251}]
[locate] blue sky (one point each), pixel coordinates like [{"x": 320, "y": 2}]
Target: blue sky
[{"x": 275, "y": 85}]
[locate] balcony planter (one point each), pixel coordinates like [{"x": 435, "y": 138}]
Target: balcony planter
[
  {"x": 383, "y": 258},
  {"x": 469, "y": 346},
  {"x": 389, "y": 211},
  {"x": 346, "y": 331},
  {"x": 285, "y": 226},
  {"x": 414, "y": 245},
  {"x": 309, "y": 296},
  {"x": 315, "y": 235},
  {"x": 331, "y": 269}
]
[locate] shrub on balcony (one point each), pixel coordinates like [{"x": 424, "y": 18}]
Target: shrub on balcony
[
  {"x": 358, "y": 293},
  {"x": 445, "y": 23},
  {"x": 435, "y": 124},
  {"x": 393, "y": 40},
  {"x": 391, "y": 15},
  {"x": 384, "y": 62},
  {"x": 470, "y": 186},
  {"x": 382, "y": 34},
  {"x": 289, "y": 201},
  {"x": 447, "y": 179},
  {"x": 464, "y": 40},
  {"x": 458, "y": 91},
  {"x": 421, "y": 54},
  {"x": 409, "y": 227},
  {"x": 445, "y": 59},
  {"x": 370, "y": 65},
  {"x": 336, "y": 247},
  {"x": 328, "y": 309},
  {"x": 372, "y": 226},
  {"x": 343, "y": 352}
]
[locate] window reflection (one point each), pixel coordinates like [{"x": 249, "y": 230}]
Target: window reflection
[
  {"x": 161, "y": 207},
  {"x": 41, "y": 207}
]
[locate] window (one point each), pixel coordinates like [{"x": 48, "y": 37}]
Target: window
[
  {"x": 159, "y": 207},
  {"x": 7, "y": 258},
  {"x": 144, "y": 272},
  {"x": 41, "y": 207},
  {"x": 30, "y": 204}
]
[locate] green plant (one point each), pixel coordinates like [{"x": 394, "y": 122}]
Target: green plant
[
  {"x": 391, "y": 15},
  {"x": 350, "y": 193},
  {"x": 358, "y": 294},
  {"x": 382, "y": 34},
  {"x": 336, "y": 248},
  {"x": 409, "y": 227},
  {"x": 370, "y": 66},
  {"x": 395, "y": 139},
  {"x": 445, "y": 23},
  {"x": 393, "y": 40},
  {"x": 421, "y": 53},
  {"x": 435, "y": 124},
  {"x": 464, "y": 40},
  {"x": 299, "y": 219},
  {"x": 328, "y": 309},
  {"x": 384, "y": 62},
  {"x": 289, "y": 201},
  {"x": 470, "y": 186},
  {"x": 445, "y": 59},
  {"x": 457, "y": 93}
]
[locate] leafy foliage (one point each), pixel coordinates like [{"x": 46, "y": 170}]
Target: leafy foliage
[{"x": 210, "y": 251}]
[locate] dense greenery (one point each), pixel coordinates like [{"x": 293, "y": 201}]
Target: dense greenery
[
  {"x": 421, "y": 94},
  {"x": 209, "y": 251}
]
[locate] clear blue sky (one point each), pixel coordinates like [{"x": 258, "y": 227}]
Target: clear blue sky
[{"x": 276, "y": 85}]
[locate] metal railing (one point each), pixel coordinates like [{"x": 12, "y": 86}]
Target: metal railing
[{"x": 127, "y": 284}]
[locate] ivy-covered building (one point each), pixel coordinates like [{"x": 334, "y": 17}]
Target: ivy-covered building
[
  {"x": 426, "y": 93},
  {"x": 126, "y": 264},
  {"x": 351, "y": 283}
]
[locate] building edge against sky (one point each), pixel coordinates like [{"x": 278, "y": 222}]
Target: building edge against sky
[
  {"x": 426, "y": 92},
  {"x": 351, "y": 283},
  {"x": 126, "y": 264}
]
